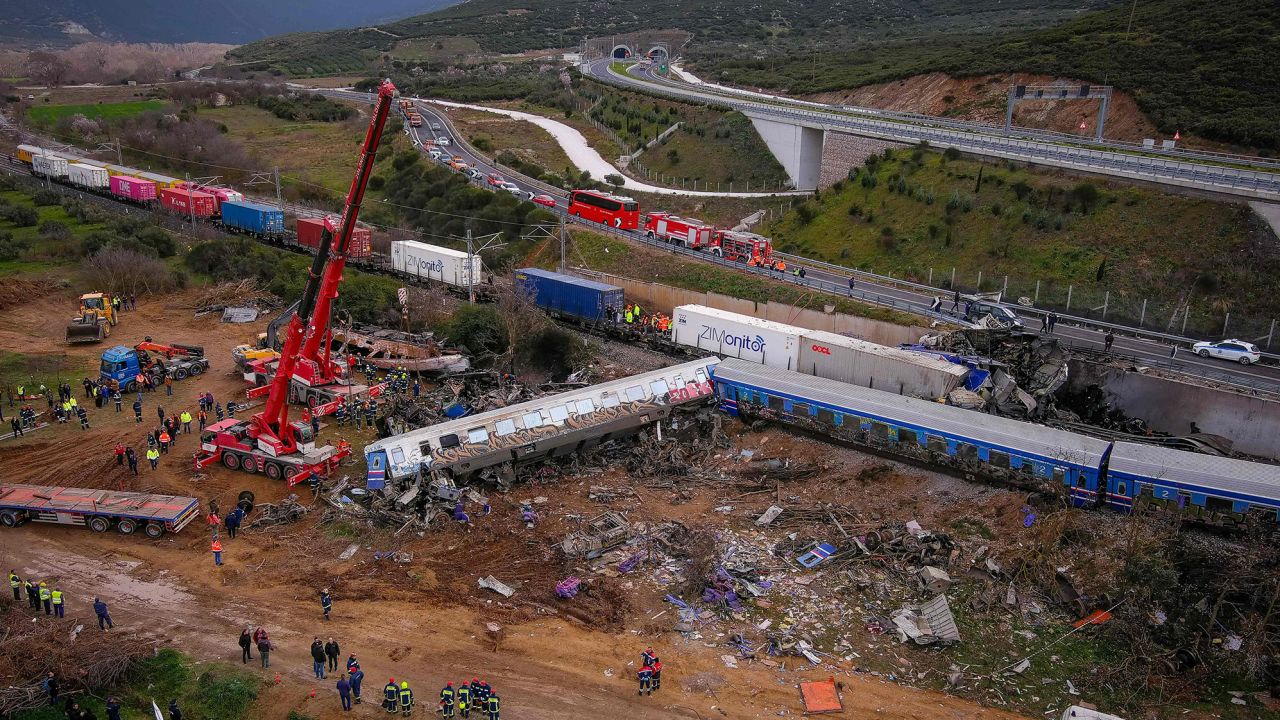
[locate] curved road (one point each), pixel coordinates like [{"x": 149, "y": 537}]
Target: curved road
[{"x": 1181, "y": 170}]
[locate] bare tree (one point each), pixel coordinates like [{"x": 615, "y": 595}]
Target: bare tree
[
  {"x": 119, "y": 270},
  {"x": 47, "y": 68}
]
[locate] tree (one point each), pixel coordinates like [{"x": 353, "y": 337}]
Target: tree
[
  {"x": 47, "y": 68},
  {"x": 1087, "y": 195},
  {"x": 615, "y": 180}
]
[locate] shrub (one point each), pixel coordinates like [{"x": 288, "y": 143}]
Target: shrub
[
  {"x": 805, "y": 214},
  {"x": 46, "y": 196},
  {"x": 951, "y": 154},
  {"x": 996, "y": 209},
  {"x": 615, "y": 179},
  {"x": 478, "y": 329},
  {"x": 1020, "y": 190},
  {"x": 10, "y": 248},
  {"x": 21, "y": 215},
  {"x": 1086, "y": 195},
  {"x": 556, "y": 351},
  {"x": 54, "y": 230}
]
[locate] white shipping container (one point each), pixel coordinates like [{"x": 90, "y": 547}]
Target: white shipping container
[
  {"x": 858, "y": 362},
  {"x": 88, "y": 175},
  {"x": 49, "y": 166},
  {"x": 425, "y": 261},
  {"x": 739, "y": 336}
]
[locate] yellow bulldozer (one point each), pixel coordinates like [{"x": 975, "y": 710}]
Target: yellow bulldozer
[{"x": 94, "y": 320}]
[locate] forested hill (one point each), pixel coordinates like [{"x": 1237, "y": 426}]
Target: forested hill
[{"x": 517, "y": 25}]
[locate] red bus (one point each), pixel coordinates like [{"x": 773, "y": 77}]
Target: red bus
[{"x": 622, "y": 213}]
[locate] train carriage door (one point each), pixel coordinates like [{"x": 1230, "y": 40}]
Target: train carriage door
[{"x": 376, "y": 479}]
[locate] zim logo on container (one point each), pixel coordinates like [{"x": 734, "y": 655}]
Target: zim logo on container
[
  {"x": 431, "y": 265},
  {"x": 821, "y": 349},
  {"x": 727, "y": 339}
]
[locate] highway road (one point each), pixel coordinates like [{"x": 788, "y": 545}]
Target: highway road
[
  {"x": 1075, "y": 332},
  {"x": 1258, "y": 179}
]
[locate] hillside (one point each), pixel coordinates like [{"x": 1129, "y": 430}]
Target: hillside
[
  {"x": 1208, "y": 68},
  {"x": 503, "y": 26},
  {"x": 60, "y": 22}
]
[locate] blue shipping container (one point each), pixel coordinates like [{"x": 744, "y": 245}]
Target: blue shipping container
[
  {"x": 252, "y": 217},
  {"x": 568, "y": 295}
]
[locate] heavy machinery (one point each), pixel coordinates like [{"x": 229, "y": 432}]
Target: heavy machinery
[
  {"x": 252, "y": 359},
  {"x": 122, "y": 365},
  {"x": 94, "y": 319},
  {"x": 268, "y": 442}
]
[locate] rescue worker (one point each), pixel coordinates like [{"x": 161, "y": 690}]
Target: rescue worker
[
  {"x": 137, "y": 411},
  {"x": 185, "y": 417},
  {"x": 447, "y": 699},
  {"x": 202, "y": 417},
  {"x": 104, "y": 615},
  {"x": 217, "y": 552},
  {"x": 164, "y": 441},
  {"x": 629, "y": 314},
  {"x": 317, "y": 658},
  {"x": 657, "y": 673},
  {"x": 117, "y": 399},
  {"x": 119, "y": 453},
  {"x": 479, "y": 692},
  {"x": 15, "y": 583},
  {"x": 352, "y": 664},
  {"x": 44, "y": 598},
  {"x": 153, "y": 456},
  {"x": 357, "y": 678},
  {"x": 326, "y": 603},
  {"x": 645, "y": 676},
  {"x": 647, "y": 657},
  {"x": 390, "y": 693},
  {"x": 344, "y": 692},
  {"x": 331, "y": 651},
  {"x": 59, "y": 610},
  {"x": 464, "y": 700},
  {"x": 406, "y": 699},
  {"x": 494, "y": 705},
  {"x": 33, "y": 595},
  {"x": 246, "y": 645},
  {"x": 132, "y": 458}
]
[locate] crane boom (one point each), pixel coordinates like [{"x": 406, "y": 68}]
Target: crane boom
[{"x": 307, "y": 325}]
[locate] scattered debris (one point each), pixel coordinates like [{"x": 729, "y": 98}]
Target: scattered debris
[
  {"x": 926, "y": 624},
  {"x": 604, "y": 531},
  {"x": 349, "y": 552},
  {"x": 769, "y": 515},
  {"x": 821, "y": 696},
  {"x": 496, "y": 585},
  {"x": 286, "y": 511},
  {"x": 568, "y": 587},
  {"x": 239, "y": 314}
]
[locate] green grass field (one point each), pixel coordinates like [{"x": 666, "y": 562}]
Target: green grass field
[
  {"x": 44, "y": 251},
  {"x": 321, "y": 152},
  {"x": 48, "y": 115}
]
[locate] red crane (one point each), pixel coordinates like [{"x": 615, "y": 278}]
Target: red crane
[{"x": 268, "y": 442}]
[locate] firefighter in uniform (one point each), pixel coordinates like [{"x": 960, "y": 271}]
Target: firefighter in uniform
[
  {"x": 15, "y": 584},
  {"x": 406, "y": 698},
  {"x": 464, "y": 700},
  {"x": 56, "y": 597},
  {"x": 33, "y": 594},
  {"x": 493, "y": 706},
  {"x": 44, "y": 598},
  {"x": 390, "y": 693},
  {"x": 447, "y": 698}
]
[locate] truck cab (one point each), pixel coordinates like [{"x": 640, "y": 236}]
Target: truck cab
[{"x": 120, "y": 366}]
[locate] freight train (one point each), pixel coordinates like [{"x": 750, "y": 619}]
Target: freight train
[{"x": 1092, "y": 473}]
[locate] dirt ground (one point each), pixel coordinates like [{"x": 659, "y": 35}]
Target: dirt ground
[{"x": 424, "y": 620}]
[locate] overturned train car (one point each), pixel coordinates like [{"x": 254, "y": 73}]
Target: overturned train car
[{"x": 497, "y": 441}]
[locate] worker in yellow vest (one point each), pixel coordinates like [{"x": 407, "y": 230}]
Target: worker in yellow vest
[
  {"x": 15, "y": 584},
  {"x": 59, "y": 610},
  {"x": 44, "y": 598}
]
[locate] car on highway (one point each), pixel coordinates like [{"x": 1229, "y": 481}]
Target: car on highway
[
  {"x": 1245, "y": 353},
  {"x": 435, "y": 154},
  {"x": 544, "y": 200},
  {"x": 435, "y": 126},
  {"x": 975, "y": 310},
  {"x": 511, "y": 188},
  {"x": 496, "y": 180},
  {"x": 442, "y": 141},
  {"x": 474, "y": 174}
]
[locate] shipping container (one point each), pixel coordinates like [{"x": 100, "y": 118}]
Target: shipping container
[
  {"x": 730, "y": 334},
  {"x": 49, "y": 166},
  {"x": 220, "y": 194},
  {"x": 252, "y": 218},
  {"x": 309, "y": 230},
  {"x": 188, "y": 202},
  {"x": 421, "y": 260},
  {"x": 858, "y": 362},
  {"x": 88, "y": 176},
  {"x": 132, "y": 188},
  {"x": 161, "y": 181},
  {"x": 26, "y": 152},
  {"x": 569, "y": 295}
]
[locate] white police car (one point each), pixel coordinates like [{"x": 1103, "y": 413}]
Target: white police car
[{"x": 1239, "y": 351}]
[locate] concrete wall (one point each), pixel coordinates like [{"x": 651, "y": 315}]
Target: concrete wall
[
  {"x": 665, "y": 298},
  {"x": 1252, "y": 422},
  {"x": 841, "y": 151},
  {"x": 797, "y": 148}
]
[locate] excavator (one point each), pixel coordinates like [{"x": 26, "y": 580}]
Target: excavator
[
  {"x": 268, "y": 442},
  {"x": 93, "y": 320}
]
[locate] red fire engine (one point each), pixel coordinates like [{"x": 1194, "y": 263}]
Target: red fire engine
[{"x": 685, "y": 231}]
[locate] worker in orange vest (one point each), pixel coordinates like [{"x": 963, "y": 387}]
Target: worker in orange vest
[{"x": 217, "y": 551}]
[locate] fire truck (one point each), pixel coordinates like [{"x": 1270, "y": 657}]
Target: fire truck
[
  {"x": 673, "y": 229},
  {"x": 268, "y": 442},
  {"x": 744, "y": 247}
]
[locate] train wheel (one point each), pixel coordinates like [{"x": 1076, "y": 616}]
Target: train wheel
[
  {"x": 9, "y": 518},
  {"x": 273, "y": 471},
  {"x": 231, "y": 460},
  {"x": 126, "y": 526},
  {"x": 245, "y": 501},
  {"x": 153, "y": 530},
  {"x": 196, "y": 369},
  {"x": 97, "y": 523},
  {"x": 249, "y": 464}
]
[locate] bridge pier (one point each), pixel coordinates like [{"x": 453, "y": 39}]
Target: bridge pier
[{"x": 798, "y": 148}]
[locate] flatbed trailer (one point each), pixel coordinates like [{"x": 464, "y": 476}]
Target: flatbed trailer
[{"x": 98, "y": 510}]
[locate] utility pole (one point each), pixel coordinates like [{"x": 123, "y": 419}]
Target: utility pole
[
  {"x": 119, "y": 153},
  {"x": 563, "y": 263},
  {"x": 275, "y": 174},
  {"x": 191, "y": 203},
  {"x": 471, "y": 288}
]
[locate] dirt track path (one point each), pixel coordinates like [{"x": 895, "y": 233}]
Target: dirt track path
[{"x": 546, "y": 667}]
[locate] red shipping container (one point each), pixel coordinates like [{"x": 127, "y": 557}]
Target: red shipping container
[
  {"x": 133, "y": 188},
  {"x": 188, "y": 202},
  {"x": 309, "y": 230}
]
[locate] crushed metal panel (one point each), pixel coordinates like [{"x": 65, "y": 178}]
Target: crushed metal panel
[
  {"x": 821, "y": 696},
  {"x": 942, "y": 624},
  {"x": 496, "y": 585},
  {"x": 239, "y": 314}
]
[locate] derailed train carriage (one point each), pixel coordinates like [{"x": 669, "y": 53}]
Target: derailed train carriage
[
  {"x": 1090, "y": 471},
  {"x": 494, "y": 443}
]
